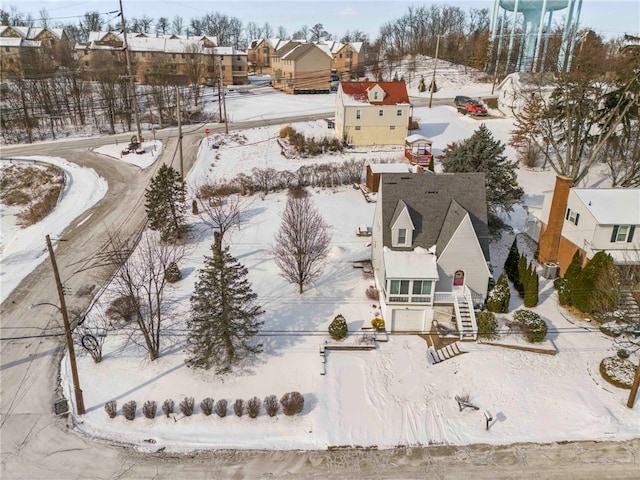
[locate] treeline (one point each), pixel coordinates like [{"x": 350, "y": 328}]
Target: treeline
[{"x": 42, "y": 101}]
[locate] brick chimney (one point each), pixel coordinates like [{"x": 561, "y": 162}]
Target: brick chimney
[{"x": 551, "y": 232}]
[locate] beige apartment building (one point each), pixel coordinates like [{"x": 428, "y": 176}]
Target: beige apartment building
[{"x": 301, "y": 68}]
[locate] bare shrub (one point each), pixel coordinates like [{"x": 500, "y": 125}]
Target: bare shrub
[
  {"x": 121, "y": 309},
  {"x": 111, "y": 407},
  {"x": 186, "y": 406},
  {"x": 168, "y": 406},
  {"x": 149, "y": 409},
  {"x": 298, "y": 191},
  {"x": 372, "y": 293},
  {"x": 271, "y": 405},
  {"x": 238, "y": 407},
  {"x": 286, "y": 131},
  {"x": 206, "y": 406},
  {"x": 292, "y": 403},
  {"x": 253, "y": 407},
  {"x": 221, "y": 408},
  {"x": 129, "y": 410}
]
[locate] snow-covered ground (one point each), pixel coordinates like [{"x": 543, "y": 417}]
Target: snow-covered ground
[{"x": 385, "y": 397}]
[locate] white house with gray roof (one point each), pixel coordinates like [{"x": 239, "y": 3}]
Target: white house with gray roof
[{"x": 430, "y": 249}]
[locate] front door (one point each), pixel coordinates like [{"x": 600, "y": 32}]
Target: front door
[{"x": 458, "y": 282}]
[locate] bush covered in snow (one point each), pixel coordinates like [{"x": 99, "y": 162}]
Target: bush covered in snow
[
  {"x": 221, "y": 408},
  {"x": 186, "y": 406},
  {"x": 612, "y": 329},
  {"x": 149, "y": 409},
  {"x": 338, "y": 328},
  {"x": 372, "y": 293},
  {"x": 253, "y": 407},
  {"x": 499, "y": 296},
  {"x": 292, "y": 403},
  {"x": 271, "y": 405},
  {"x": 129, "y": 410},
  {"x": 377, "y": 323},
  {"x": 206, "y": 406},
  {"x": 238, "y": 407},
  {"x": 172, "y": 273},
  {"x": 618, "y": 371},
  {"x": 534, "y": 327},
  {"x": 167, "y": 407},
  {"x": 111, "y": 407},
  {"x": 487, "y": 325}
]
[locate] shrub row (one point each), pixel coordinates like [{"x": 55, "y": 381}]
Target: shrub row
[
  {"x": 270, "y": 180},
  {"x": 291, "y": 403}
]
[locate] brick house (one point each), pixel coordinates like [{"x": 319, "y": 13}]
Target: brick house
[{"x": 589, "y": 220}]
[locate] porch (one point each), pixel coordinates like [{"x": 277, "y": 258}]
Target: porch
[{"x": 417, "y": 149}]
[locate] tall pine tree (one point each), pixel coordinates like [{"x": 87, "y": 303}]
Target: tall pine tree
[
  {"x": 224, "y": 315},
  {"x": 165, "y": 205},
  {"x": 481, "y": 153}
]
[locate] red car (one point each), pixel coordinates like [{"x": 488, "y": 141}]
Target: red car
[{"x": 475, "y": 108}]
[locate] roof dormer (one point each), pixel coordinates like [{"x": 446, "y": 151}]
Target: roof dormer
[
  {"x": 376, "y": 94},
  {"x": 402, "y": 227}
]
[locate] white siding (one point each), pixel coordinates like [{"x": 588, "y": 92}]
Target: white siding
[{"x": 463, "y": 252}]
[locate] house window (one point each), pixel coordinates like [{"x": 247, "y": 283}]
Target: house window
[
  {"x": 623, "y": 233},
  {"x": 6, "y": 49},
  {"x": 399, "y": 287},
  {"x": 173, "y": 55},
  {"x": 340, "y": 55},
  {"x": 392, "y": 127},
  {"x": 238, "y": 58},
  {"x": 375, "y": 95},
  {"x": 358, "y": 114},
  {"x": 421, "y": 291},
  {"x": 380, "y": 113},
  {"x": 143, "y": 54},
  {"x": 572, "y": 216},
  {"x": 357, "y": 127},
  {"x": 399, "y": 113},
  {"x": 402, "y": 236},
  {"x": 348, "y": 55}
]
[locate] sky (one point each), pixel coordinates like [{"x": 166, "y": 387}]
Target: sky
[{"x": 609, "y": 18}]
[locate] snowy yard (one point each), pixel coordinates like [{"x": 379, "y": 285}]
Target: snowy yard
[{"x": 386, "y": 397}]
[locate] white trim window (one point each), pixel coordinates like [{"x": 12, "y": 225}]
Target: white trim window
[
  {"x": 380, "y": 113},
  {"x": 402, "y": 236},
  {"x": 572, "y": 216},
  {"x": 358, "y": 114},
  {"x": 623, "y": 233}
]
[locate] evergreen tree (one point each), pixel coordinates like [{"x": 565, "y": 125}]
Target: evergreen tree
[
  {"x": 511, "y": 264},
  {"x": 531, "y": 292},
  {"x": 499, "y": 296},
  {"x": 481, "y": 153},
  {"x": 575, "y": 267},
  {"x": 224, "y": 314},
  {"x": 522, "y": 275},
  {"x": 165, "y": 205},
  {"x": 595, "y": 288}
]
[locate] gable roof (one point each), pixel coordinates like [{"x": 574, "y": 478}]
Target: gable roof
[
  {"x": 301, "y": 50},
  {"x": 358, "y": 92},
  {"x": 437, "y": 204},
  {"x": 605, "y": 204}
]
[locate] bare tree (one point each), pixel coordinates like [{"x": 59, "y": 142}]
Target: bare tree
[
  {"x": 177, "y": 25},
  {"x": 282, "y": 32},
  {"x": 220, "y": 213},
  {"x": 93, "y": 332},
  {"x": 302, "y": 243},
  {"x": 141, "y": 278}
]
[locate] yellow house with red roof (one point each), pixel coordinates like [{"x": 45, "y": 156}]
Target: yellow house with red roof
[{"x": 372, "y": 113}]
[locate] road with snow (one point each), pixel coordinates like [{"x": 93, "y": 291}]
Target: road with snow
[{"x": 36, "y": 444}]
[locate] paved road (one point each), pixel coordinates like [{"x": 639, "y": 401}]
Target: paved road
[{"x": 35, "y": 444}]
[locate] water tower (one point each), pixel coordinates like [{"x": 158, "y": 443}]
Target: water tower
[{"x": 532, "y": 15}]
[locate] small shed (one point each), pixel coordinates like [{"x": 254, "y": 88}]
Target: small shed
[
  {"x": 375, "y": 169},
  {"x": 417, "y": 149}
]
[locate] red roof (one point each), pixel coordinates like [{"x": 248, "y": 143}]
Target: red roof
[{"x": 396, "y": 92}]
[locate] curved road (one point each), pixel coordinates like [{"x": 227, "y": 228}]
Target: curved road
[{"x": 36, "y": 444}]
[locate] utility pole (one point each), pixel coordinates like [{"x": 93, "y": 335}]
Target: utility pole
[
  {"x": 634, "y": 388},
  {"x": 132, "y": 83},
  {"x": 435, "y": 65},
  {"x": 224, "y": 103},
  {"x": 180, "y": 133},
  {"x": 67, "y": 330}
]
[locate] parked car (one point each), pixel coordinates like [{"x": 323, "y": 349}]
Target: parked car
[
  {"x": 461, "y": 100},
  {"x": 476, "y": 108}
]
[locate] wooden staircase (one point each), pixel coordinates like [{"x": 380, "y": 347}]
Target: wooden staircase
[{"x": 466, "y": 320}]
